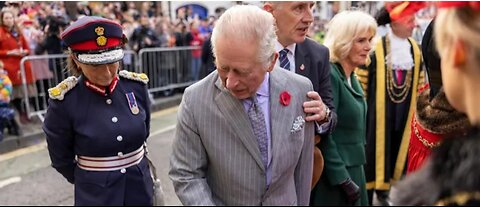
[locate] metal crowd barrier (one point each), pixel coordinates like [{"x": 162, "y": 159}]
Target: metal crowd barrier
[
  {"x": 167, "y": 69},
  {"x": 50, "y": 77}
]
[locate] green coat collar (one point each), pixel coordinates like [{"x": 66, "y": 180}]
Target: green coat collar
[{"x": 355, "y": 89}]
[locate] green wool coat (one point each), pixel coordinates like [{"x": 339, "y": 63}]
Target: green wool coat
[{"x": 344, "y": 149}]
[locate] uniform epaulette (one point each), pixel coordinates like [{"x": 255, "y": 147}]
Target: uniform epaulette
[
  {"x": 142, "y": 77},
  {"x": 59, "y": 91}
]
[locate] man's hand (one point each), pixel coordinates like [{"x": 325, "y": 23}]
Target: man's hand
[
  {"x": 315, "y": 109},
  {"x": 352, "y": 190}
]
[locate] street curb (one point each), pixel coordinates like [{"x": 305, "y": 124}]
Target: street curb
[{"x": 11, "y": 143}]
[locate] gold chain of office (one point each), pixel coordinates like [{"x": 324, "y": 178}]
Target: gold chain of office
[
  {"x": 392, "y": 86},
  {"x": 424, "y": 141}
]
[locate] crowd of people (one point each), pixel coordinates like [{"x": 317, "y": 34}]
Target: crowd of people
[
  {"x": 281, "y": 120},
  {"x": 34, "y": 28}
]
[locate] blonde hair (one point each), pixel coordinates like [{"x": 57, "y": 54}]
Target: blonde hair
[
  {"x": 460, "y": 23},
  {"x": 247, "y": 23},
  {"x": 343, "y": 29},
  {"x": 72, "y": 67}
]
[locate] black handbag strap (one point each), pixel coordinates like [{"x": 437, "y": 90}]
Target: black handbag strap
[{"x": 153, "y": 169}]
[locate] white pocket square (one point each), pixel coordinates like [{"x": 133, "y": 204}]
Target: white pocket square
[{"x": 298, "y": 124}]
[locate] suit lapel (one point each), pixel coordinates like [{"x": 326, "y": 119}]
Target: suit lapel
[
  {"x": 355, "y": 89},
  {"x": 234, "y": 113},
  {"x": 302, "y": 58},
  {"x": 280, "y": 116}
]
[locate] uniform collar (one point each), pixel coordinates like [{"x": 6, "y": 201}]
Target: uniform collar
[{"x": 102, "y": 90}]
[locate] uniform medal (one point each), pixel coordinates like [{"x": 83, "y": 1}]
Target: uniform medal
[
  {"x": 135, "y": 110},
  {"x": 132, "y": 103}
]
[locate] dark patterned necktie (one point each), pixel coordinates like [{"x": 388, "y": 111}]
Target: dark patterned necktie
[
  {"x": 257, "y": 119},
  {"x": 284, "y": 62}
]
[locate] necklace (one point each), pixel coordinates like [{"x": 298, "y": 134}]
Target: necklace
[{"x": 397, "y": 93}]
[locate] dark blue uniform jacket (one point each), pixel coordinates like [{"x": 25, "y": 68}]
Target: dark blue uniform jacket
[{"x": 87, "y": 123}]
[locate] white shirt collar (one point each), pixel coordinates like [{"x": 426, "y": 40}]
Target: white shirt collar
[
  {"x": 279, "y": 47},
  {"x": 290, "y": 55}
]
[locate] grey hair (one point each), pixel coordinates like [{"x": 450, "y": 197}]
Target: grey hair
[
  {"x": 247, "y": 23},
  {"x": 343, "y": 29}
]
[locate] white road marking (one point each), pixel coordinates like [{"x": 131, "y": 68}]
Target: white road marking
[
  {"x": 9, "y": 181},
  {"x": 23, "y": 151},
  {"x": 164, "y": 112},
  {"x": 165, "y": 129}
]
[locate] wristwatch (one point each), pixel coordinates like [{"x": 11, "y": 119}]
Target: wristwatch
[{"x": 327, "y": 114}]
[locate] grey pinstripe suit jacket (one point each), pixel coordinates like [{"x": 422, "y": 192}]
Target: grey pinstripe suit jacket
[{"x": 216, "y": 159}]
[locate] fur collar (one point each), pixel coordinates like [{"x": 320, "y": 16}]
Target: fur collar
[{"x": 438, "y": 116}]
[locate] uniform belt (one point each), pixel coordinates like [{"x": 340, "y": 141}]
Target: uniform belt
[{"x": 111, "y": 163}]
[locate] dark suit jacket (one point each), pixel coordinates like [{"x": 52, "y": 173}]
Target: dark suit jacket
[{"x": 316, "y": 67}]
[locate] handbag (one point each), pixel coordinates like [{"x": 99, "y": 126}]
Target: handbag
[{"x": 158, "y": 194}]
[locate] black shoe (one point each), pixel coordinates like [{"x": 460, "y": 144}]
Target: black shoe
[{"x": 383, "y": 198}]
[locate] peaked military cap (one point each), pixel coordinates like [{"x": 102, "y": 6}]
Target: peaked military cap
[{"x": 95, "y": 40}]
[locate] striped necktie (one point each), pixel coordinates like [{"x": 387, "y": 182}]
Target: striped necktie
[{"x": 284, "y": 63}]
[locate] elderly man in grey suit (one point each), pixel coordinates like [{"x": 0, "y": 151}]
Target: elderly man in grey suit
[{"x": 241, "y": 136}]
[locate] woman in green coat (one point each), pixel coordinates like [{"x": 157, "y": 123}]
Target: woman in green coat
[{"x": 343, "y": 180}]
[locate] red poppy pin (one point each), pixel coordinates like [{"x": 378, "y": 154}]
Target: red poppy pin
[{"x": 285, "y": 98}]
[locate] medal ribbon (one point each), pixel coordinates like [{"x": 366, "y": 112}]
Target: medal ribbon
[{"x": 132, "y": 102}]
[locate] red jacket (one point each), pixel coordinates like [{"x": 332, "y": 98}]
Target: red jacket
[
  {"x": 196, "y": 41},
  {"x": 12, "y": 63}
]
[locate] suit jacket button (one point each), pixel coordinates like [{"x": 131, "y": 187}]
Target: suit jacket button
[
  {"x": 114, "y": 119},
  {"x": 119, "y": 138},
  {"x": 123, "y": 170}
]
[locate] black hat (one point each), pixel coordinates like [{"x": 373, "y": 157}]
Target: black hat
[
  {"x": 383, "y": 17},
  {"x": 431, "y": 58},
  {"x": 95, "y": 40}
]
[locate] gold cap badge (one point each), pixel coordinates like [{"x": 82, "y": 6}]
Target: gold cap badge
[
  {"x": 100, "y": 31},
  {"x": 101, "y": 40}
]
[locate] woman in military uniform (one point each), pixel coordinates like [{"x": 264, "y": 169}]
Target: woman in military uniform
[{"x": 99, "y": 119}]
